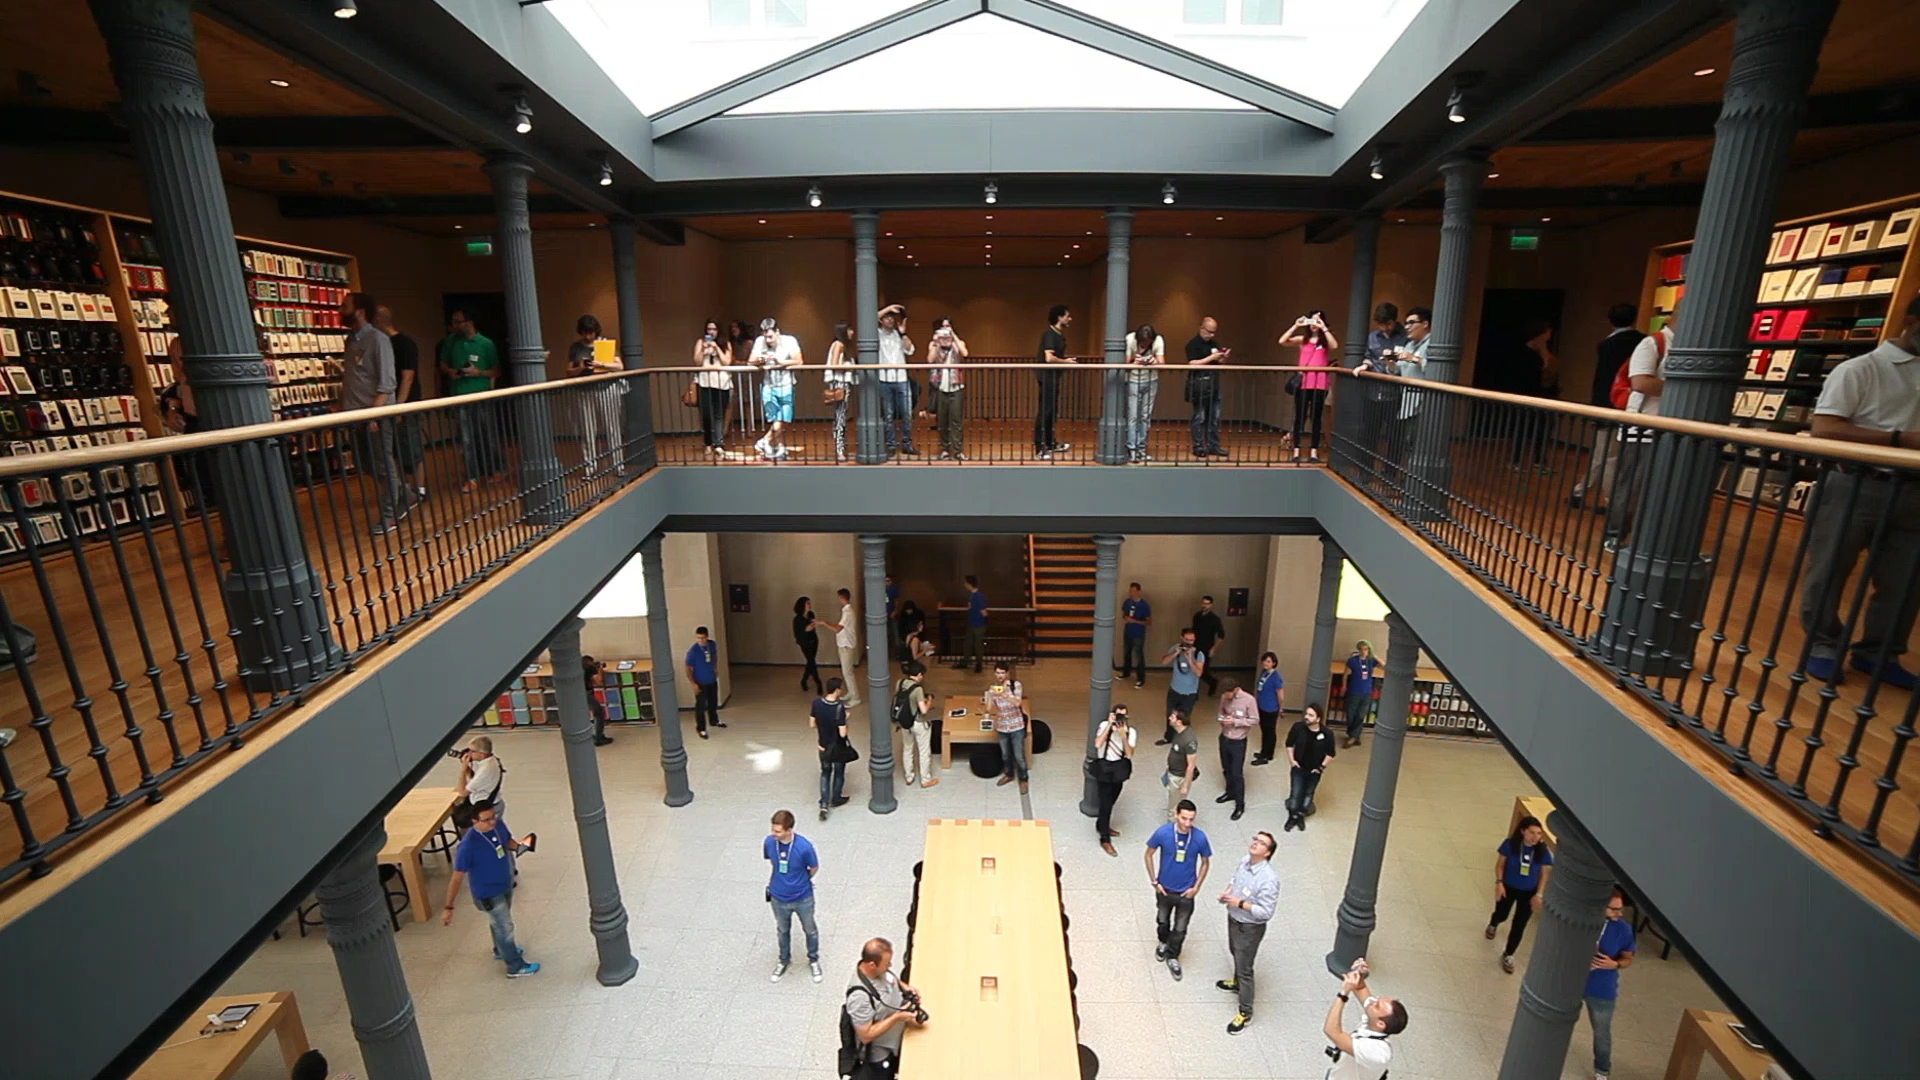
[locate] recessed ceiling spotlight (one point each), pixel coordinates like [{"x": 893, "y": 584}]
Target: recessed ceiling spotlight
[
  {"x": 1376, "y": 168},
  {"x": 1167, "y": 193},
  {"x": 763, "y": 221},
  {"x": 992, "y": 193},
  {"x": 606, "y": 172},
  {"x": 989, "y": 246},
  {"x": 789, "y": 236},
  {"x": 813, "y": 196},
  {"x": 989, "y": 217},
  {"x": 1076, "y": 247},
  {"x": 1402, "y": 221},
  {"x": 889, "y": 234},
  {"x": 281, "y": 83},
  {"x": 1702, "y": 73},
  {"x": 522, "y": 114},
  {"x": 1219, "y": 217},
  {"x": 989, "y": 232},
  {"x": 1546, "y": 219},
  {"x": 1089, "y": 232},
  {"x": 1189, "y": 234},
  {"x": 459, "y": 226},
  {"x": 345, "y": 9},
  {"x": 1493, "y": 176}
]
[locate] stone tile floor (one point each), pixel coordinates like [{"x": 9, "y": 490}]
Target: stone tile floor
[{"x": 702, "y": 1008}]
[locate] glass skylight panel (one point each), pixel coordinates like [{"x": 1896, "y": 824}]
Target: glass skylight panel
[
  {"x": 1320, "y": 49},
  {"x": 663, "y": 52},
  {"x": 987, "y": 62}
]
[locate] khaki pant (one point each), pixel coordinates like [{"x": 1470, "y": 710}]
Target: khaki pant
[
  {"x": 1174, "y": 795},
  {"x": 848, "y": 658},
  {"x": 916, "y": 744}
]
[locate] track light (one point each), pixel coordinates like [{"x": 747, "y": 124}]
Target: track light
[
  {"x": 345, "y": 9},
  {"x": 522, "y": 114},
  {"x": 1167, "y": 193},
  {"x": 992, "y": 193},
  {"x": 606, "y": 172},
  {"x": 1376, "y": 168},
  {"x": 1457, "y": 106},
  {"x": 813, "y": 196}
]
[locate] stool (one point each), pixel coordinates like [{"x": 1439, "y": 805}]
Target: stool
[{"x": 392, "y": 883}]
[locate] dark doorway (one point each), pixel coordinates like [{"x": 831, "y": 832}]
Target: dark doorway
[
  {"x": 489, "y": 313},
  {"x": 1508, "y": 319}
]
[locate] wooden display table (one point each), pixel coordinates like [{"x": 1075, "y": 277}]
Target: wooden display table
[
  {"x": 411, "y": 827},
  {"x": 1702, "y": 1033},
  {"x": 962, "y": 718},
  {"x": 1533, "y": 806},
  {"x": 990, "y": 958},
  {"x": 187, "y": 1056}
]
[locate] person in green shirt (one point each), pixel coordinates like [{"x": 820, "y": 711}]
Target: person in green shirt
[{"x": 470, "y": 362}]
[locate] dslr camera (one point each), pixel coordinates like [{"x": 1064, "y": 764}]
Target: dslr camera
[{"x": 912, "y": 999}]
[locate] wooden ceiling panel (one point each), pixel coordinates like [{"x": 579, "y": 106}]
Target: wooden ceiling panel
[
  {"x": 1683, "y": 161},
  {"x": 1002, "y": 251},
  {"x": 823, "y": 224},
  {"x": 383, "y": 172},
  {"x": 458, "y": 227}
]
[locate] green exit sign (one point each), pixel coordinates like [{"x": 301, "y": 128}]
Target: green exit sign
[
  {"x": 481, "y": 245},
  {"x": 1523, "y": 241}
]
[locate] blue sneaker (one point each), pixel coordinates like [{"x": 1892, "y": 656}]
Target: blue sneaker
[
  {"x": 530, "y": 969},
  {"x": 1825, "y": 669},
  {"x": 1891, "y": 673}
]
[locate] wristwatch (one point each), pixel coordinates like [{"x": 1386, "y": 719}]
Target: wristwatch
[{"x": 1342, "y": 995}]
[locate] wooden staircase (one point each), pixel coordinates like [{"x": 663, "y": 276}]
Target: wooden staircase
[{"x": 1060, "y": 571}]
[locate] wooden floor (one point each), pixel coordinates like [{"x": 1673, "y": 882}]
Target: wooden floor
[
  {"x": 992, "y": 442},
  {"x": 151, "y": 677},
  {"x": 1831, "y": 742}
]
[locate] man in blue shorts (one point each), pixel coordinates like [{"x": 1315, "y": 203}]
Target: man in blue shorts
[{"x": 777, "y": 354}]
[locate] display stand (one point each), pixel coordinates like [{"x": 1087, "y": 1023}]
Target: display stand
[
  {"x": 1439, "y": 706},
  {"x": 532, "y": 700},
  {"x": 1702, "y": 1033}
]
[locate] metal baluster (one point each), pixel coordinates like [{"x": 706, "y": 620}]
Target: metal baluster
[
  {"x": 209, "y": 640},
  {"x": 1743, "y": 647},
  {"x": 163, "y": 712},
  {"x": 353, "y": 560}
]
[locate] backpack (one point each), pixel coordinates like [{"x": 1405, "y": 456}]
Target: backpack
[
  {"x": 1622, "y": 389},
  {"x": 904, "y": 714},
  {"x": 853, "y": 1052}
]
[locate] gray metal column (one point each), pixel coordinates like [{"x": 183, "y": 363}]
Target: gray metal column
[
  {"x": 353, "y": 905},
  {"x": 1350, "y": 396},
  {"x": 873, "y": 570},
  {"x": 1355, "y": 916},
  {"x": 1776, "y": 46},
  {"x": 1106, "y": 599},
  {"x": 607, "y": 916},
  {"x": 1366, "y": 254},
  {"x": 870, "y": 424},
  {"x": 273, "y": 596},
  {"x": 542, "y": 492},
  {"x": 1110, "y": 448},
  {"x": 637, "y": 404},
  {"x": 1320, "y": 656},
  {"x": 1551, "y": 992},
  {"x": 1431, "y": 457},
  {"x": 666, "y": 686}
]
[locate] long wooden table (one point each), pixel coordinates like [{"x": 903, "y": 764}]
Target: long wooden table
[
  {"x": 962, "y": 715},
  {"x": 187, "y": 1056},
  {"x": 1703, "y": 1032},
  {"x": 990, "y": 958},
  {"x": 411, "y": 827}
]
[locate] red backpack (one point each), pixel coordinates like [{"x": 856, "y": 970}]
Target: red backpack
[{"x": 1622, "y": 388}]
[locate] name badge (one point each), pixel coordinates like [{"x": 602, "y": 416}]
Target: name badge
[
  {"x": 1179, "y": 856},
  {"x": 1525, "y": 869},
  {"x": 783, "y": 866}
]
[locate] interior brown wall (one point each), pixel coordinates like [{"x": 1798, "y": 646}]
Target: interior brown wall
[{"x": 998, "y": 311}]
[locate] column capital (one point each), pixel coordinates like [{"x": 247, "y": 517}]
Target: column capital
[
  {"x": 1328, "y": 546},
  {"x": 502, "y": 162},
  {"x": 1104, "y": 541},
  {"x": 650, "y": 543},
  {"x": 572, "y": 624},
  {"x": 867, "y": 219},
  {"x": 620, "y": 221},
  {"x": 1119, "y": 214},
  {"x": 1398, "y": 625},
  {"x": 1470, "y": 158}
]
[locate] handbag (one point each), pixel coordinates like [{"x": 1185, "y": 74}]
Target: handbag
[
  {"x": 692, "y": 397},
  {"x": 834, "y": 394},
  {"x": 843, "y": 752},
  {"x": 1293, "y": 384}
]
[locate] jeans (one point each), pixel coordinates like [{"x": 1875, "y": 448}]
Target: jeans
[
  {"x": 1243, "y": 942},
  {"x": 976, "y": 645},
  {"x": 1133, "y": 653},
  {"x": 1141, "y": 397},
  {"x": 374, "y": 449},
  {"x": 1205, "y": 425},
  {"x": 783, "y": 913},
  {"x": 1043, "y": 416},
  {"x": 917, "y": 745},
  {"x": 480, "y": 440},
  {"x": 896, "y": 402},
  {"x": 1600, "y": 1015},
  {"x": 1233, "y": 767},
  {"x": 1843, "y": 528},
  {"x": 950, "y": 418},
  {"x": 1359, "y": 708},
  {"x": 1269, "y": 723},
  {"x": 1520, "y": 903},
  {"x": 499, "y": 911},
  {"x": 1379, "y": 419},
  {"x": 1109, "y": 792},
  {"x": 713, "y": 415},
  {"x": 1300, "y": 788},
  {"x": 1183, "y": 704},
  {"x": 1171, "y": 912},
  {"x": 706, "y": 704},
  {"x": 1013, "y": 753},
  {"x": 1309, "y": 406},
  {"x": 833, "y": 777}
]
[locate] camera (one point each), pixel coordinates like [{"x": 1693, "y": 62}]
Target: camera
[
  {"x": 457, "y": 753},
  {"x": 1333, "y": 1054},
  {"x": 912, "y": 1000}
]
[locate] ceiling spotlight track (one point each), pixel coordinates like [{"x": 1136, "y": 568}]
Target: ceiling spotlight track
[
  {"x": 814, "y": 198},
  {"x": 992, "y": 193},
  {"x": 1168, "y": 193}
]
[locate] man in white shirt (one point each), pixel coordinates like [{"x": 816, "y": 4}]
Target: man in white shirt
[
  {"x": 847, "y": 640},
  {"x": 777, "y": 354},
  {"x": 1647, "y": 373},
  {"x": 1872, "y": 399},
  {"x": 896, "y": 391},
  {"x": 1146, "y": 355},
  {"x": 1363, "y": 1053}
]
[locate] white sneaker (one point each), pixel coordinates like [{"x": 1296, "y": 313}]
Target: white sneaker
[
  {"x": 764, "y": 446},
  {"x": 814, "y": 966},
  {"x": 778, "y": 971}
]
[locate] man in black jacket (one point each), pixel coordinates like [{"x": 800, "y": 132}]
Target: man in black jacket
[
  {"x": 1615, "y": 349},
  {"x": 1208, "y": 631}
]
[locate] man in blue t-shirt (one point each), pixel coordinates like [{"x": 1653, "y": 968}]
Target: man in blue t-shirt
[
  {"x": 790, "y": 891},
  {"x": 485, "y": 859},
  {"x": 1613, "y": 952},
  {"x": 1137, "y": 615},
  {"x": 1188, "y": 663},
  {"x": 1183, "y": 856},
  {"x": 703, "y": 672},
  {"x": 1359, "y": 704},
  {"x": 976, "y": 623}
]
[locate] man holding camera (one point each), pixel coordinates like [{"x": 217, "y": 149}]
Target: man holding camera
[
  {"x": 480, "y": 774},
  {"x": 1363, "y": 1053},
  {"x": 1183, "y": 692},
  {"x": 896, "y": 387},
  {"x": 881, "y": 1008}
]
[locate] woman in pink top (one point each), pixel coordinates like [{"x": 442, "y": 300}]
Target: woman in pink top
[{"x": 1316, "y": 344}]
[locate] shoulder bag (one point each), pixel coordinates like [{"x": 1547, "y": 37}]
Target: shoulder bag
[
  {"x": 843, "y": 750},
  {"x": 691, "y": 398}
]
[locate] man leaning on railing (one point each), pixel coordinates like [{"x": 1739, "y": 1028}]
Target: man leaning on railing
[
  {"x": 368, "y": 381},
  {"x": 1874, "y": 399}
]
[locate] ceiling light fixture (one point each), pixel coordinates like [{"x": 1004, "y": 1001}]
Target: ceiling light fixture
[
  {"x": 813, "y": 196},
  {"x": 1219, "y": 217},
  {"x": 606, "y": 171},
  {"x": 457, "y": 227},
  {"x": 1167, "y": 193},
  {"x": 345, "y": 9},
  {"x": 1076, "y": 247},
  {"x": 1377, "y": 168},
  {"x": 522, "y": 114},
  {"x": 992, "y": 193},
  {"x": 989, "y": 246},
  {"x": 1704, "y": 72},
  {"x": 763, "y": 221},
  {"x": 1493, "y": 176},
  {"x": 989, "y": 217},
  {"x": 281, "y": 83},
  {"x": 1546, "y": 219},
  {"x": 1457, "y": 106}
]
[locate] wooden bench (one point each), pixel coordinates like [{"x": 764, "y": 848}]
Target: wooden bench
[
  {"x": 990, "y": 958},
  {"x": 1702, "y": 1033},
  {"x": 189, "y": 1056},
  {"x": 412, "y": 828}
]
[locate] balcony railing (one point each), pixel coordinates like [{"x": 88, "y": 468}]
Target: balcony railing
[
  {"x": 145, "y": 628},
  {"x": 1765, "y": 609}
]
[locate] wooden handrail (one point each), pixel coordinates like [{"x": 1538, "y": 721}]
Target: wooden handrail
[{"x": 1033, "y": 574}]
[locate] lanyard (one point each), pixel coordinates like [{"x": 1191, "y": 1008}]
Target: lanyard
[
  {"x": 782, "y": 855},
  {"x": 1180, "y": 842}
]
